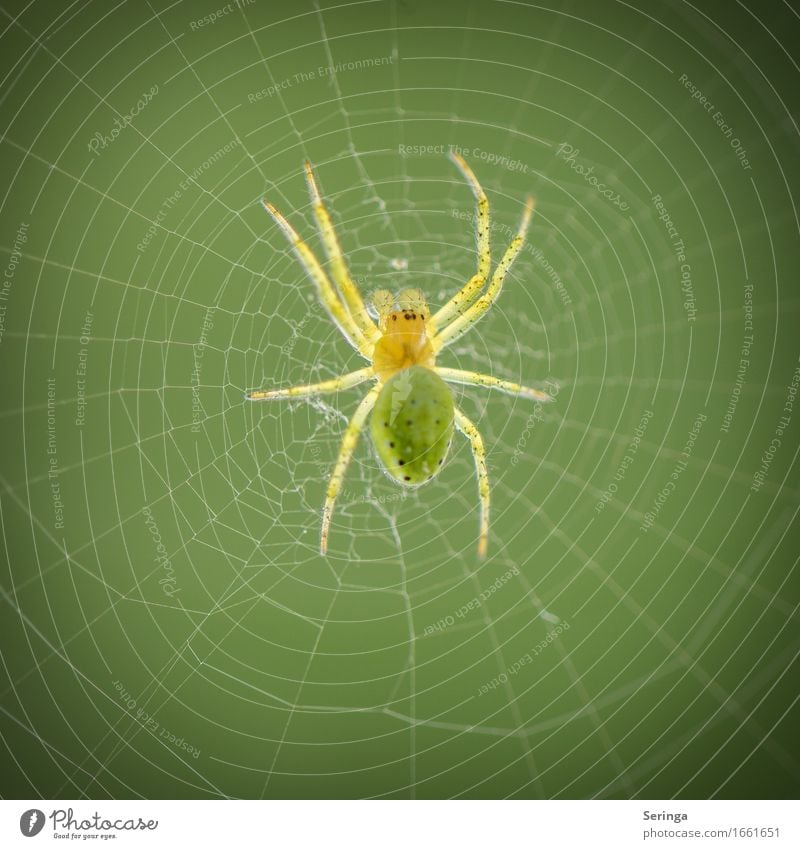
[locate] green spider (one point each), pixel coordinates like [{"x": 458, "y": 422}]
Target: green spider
[{"x": 413, "y": 412}]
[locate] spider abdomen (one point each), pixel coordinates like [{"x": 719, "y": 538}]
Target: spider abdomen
[{"x": 412, "y": 425}]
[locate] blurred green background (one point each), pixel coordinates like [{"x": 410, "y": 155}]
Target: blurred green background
[{"x": 168, "y": 626}]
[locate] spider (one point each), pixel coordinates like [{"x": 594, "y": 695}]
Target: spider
[{"x": 412, "y": 407}]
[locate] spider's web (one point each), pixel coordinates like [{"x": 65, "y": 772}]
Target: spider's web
[{"x": 399, "y": 665}]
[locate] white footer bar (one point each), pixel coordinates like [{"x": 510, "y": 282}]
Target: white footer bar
[{"x": 401, "y": 824}]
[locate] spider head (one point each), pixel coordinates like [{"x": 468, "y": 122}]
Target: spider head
[
  {"x": 404, "y": 339},
  {"x": 386, "y": 306}
]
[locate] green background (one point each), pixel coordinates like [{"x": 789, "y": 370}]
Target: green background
[{"x": 246, "y": 665}]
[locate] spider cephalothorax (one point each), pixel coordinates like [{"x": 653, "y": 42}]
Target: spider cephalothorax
[
  {"x": 404, "y": 326},
  {"x": 413, "y": 412}
]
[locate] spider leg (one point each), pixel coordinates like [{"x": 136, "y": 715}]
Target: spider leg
[
  {"x": 479, "y": 454},
  {"x": 463, "y": 323},
  {"x": 344, "y": 381},
  {"x": 348, "y": 446},
  {"x": 474, "y": 378},
  {"x": 462, "y": 299},
  {"x": 327, "y": 294},
  {"x": 341, "y": 274}
]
